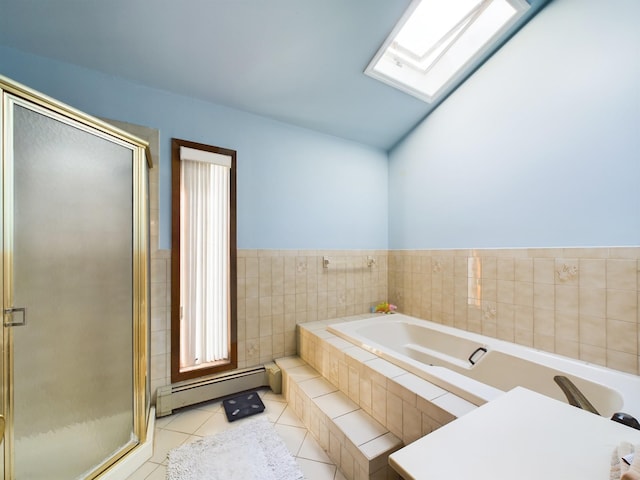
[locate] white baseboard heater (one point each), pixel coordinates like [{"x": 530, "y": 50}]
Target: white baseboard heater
[{"x": 183, "y": 394}]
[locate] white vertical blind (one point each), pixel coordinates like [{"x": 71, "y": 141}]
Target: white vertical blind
[{"x": 204, "y": 242}]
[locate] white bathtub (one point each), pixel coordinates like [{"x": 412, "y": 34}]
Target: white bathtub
[{"x": 456, "y": 361}]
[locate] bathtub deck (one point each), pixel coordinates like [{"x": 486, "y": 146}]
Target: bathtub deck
[{"x": 393, "y": 402}]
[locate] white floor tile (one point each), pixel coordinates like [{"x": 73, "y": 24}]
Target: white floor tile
[
  {"x": 274, "y": 409},
  {"x": 316, "y": 470},
  {"x": 289, "y": 417},
  {"x": 143, "y": 472},
  {"x": 159, "y": 473},
  {"x": 312, "y": 451},
  {"x": 292, "y": 436},
  {"x": 215, "y": 423},
  {"x": 339, "y": 475},
  {"x": 188, "y": 421},
  {"x": 163, "y": 421},
  {"x": 164, "y": 441}
]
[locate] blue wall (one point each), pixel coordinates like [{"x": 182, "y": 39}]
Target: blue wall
[
  {"x": 539, "y": 148},
  {"x": 297, "y": 189}
]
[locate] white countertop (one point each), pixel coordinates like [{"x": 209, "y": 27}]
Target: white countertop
[{"x": 520, "y": 435}]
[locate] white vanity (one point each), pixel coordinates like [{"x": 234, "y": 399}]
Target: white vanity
[{"x": 520, "y": 435}]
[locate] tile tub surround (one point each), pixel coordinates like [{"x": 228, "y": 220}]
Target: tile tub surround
[{"x": 577, "y": 302}]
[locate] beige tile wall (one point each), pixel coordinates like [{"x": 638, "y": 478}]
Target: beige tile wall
[
  {"x": 279, "y": 288},
  {"x": 578, "y": 302},
  {"x": 276, "y": 290}
]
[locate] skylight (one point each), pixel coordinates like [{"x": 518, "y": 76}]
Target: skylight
[{"x": 436, "y": 40}]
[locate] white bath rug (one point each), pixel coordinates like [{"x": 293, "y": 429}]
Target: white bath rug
[{"x": 251, "y": 451}]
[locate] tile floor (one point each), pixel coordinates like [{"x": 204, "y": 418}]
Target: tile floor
[{"x": 209, "y": 418}]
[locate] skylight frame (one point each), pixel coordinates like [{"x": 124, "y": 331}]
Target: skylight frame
[{"x": 521, "y": 8}]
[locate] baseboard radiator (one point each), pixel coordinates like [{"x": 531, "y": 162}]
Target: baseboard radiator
[{"x": 172, "y": 397}]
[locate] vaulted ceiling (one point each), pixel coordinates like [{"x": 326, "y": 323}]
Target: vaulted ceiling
[{"x": 297, "y": 61}]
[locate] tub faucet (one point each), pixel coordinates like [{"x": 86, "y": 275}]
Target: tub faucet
[
  {"x": 574, "y": 396},
  {"x": 577, "y": 399}
]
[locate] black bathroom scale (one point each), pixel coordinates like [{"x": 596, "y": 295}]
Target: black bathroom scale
[{"x": 243, "y": 405}]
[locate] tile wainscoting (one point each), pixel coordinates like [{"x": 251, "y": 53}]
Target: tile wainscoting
[
  {"x": 277, "y": 289},
  {"x": 577, "y": 302}
]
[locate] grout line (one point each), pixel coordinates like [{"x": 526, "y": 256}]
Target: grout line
[{"x": 302, "y": 443}]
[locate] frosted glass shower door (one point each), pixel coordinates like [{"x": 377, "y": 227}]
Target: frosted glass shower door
[{"x": 68, "y": 203}]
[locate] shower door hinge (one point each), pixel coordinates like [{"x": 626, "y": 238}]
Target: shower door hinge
[{"x": 8, "y": 315}]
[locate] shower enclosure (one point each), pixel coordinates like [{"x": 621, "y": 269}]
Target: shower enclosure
[{"x": 75, "y": 394}]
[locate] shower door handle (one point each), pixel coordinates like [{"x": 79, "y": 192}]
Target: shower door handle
[
  {"x": 8, "y": 315},
  {"x": 1, "y": 428}
]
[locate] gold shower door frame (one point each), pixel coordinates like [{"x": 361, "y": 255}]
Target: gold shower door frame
[{"x": 11, "y": 94}]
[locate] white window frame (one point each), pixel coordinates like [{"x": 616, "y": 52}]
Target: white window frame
[{"x": 428, "y": 75}]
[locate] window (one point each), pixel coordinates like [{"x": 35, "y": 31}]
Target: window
[
  {"x": 437, "y": 39},
  {"x": 203, "y": 260}
]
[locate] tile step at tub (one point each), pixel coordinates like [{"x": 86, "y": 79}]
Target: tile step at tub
[
  {"x": 353, "y": 439},
  {"x": 407, "y": 405}
]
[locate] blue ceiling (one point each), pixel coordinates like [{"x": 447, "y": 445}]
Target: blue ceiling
[{"x": 297, "y": 61}]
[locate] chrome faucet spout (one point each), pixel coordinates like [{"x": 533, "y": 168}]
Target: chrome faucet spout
[{"x": 574, "y": 396}]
